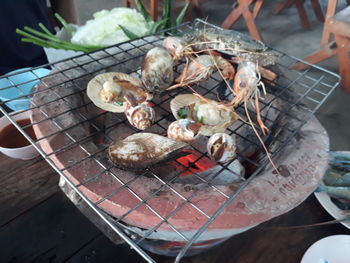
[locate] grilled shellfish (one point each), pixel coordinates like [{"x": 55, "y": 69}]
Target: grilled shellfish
[
  {"x": 157, "y": 70},
  {"x": 142, "y": 150},
  {"x": 213, "y": 116},
  {"x": 232, "y": 43},
  {"x": 107, "y": 90},
  {"x": 140, "y": 116},
  {"x": 184, "y": 130},
  {"x": 221, "y": 147}
]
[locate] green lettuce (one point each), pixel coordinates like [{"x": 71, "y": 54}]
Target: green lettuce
[{"x": 106, "y": 27}]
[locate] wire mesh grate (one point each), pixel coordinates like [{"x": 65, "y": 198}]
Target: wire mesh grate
[{"x": 74, "y": 136}]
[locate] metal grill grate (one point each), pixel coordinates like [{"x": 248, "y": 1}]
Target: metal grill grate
[{"x": 59, "y": 103}]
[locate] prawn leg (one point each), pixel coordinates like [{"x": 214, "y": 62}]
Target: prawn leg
[{"x": 264, "y": 129}]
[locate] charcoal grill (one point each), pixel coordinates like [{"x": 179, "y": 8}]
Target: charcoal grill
[{"x": 184, "y": 206}]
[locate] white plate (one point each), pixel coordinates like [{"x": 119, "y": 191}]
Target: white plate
[
  {"x": 331, "y": 208},
  {"x": 331, "y": 249}
]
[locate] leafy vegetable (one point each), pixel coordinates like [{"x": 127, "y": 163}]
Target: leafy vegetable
[
  {"x": 165, "y": 22},
  {"x": 47, "y": 39},
  {"x": 182, "y": 113},
  {"x": 44, "y": 28},
  {"x": 167, "y": 13},
  {"x": 128, "y": 33},
  {"x": 201, "y": 119},
  {"x": 181, "y": 16},
  {"x": 157, "y": 26},
  {"x": 141, "y": 8},
  {"x": 105, "y": 30},
  {"x": 69, "y": 29}
]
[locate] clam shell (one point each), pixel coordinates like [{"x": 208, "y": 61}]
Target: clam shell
[
  {"x": 225, "y": 116},
  {"x": 157, "y": 70},
  {"x": 141, "y": 116},
  {"x": 221, "y": 147},
  {"x": 128, "y": 84},
  {"x": 184, "y": 130},
  {"x": 142, "y": 150}
]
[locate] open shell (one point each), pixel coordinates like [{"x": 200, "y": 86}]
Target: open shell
[
  {"x": 142, "y": 150},
  {"x": 213, "y": 116},
  {"x": 157, "y": 70},
  {"x": 184, "y": 130},
  {"x": 124, "y": 83},
  {"x": 221, "y": 147}
]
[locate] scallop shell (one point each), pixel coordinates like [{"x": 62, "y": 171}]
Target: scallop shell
[
  {"x": 213, "y": 116},
  {"x": 142, "y": 150},
  {"x": 127, "y": 83},
  {"x": 157, "y": 70},
  {"x": 184, "y": 130},
  {"x": 141, "y": 116},
  {"x": 221, "y": 147}
]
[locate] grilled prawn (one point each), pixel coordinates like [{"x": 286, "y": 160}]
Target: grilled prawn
[
  {"x": 201, "y": 68},
  {"x": 246, "y": 87}
]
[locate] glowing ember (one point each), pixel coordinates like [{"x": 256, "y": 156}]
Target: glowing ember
[{"x": 195, "y": 163}]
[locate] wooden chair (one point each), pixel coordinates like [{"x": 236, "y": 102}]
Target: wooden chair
[
  {"x": 339, "y": 25},
  {"x": 242, "y": 7},
  {"x": 335, "y": 41},
  {"x": 301, "y": 10}
]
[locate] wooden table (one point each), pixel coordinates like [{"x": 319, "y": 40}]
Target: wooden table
[{"x": 23, "y": 185}]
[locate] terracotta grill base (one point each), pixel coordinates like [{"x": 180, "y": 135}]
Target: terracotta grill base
[{"x": 301, "y": 167}]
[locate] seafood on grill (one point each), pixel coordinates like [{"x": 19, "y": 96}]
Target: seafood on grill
[
  {"x": 221, "y": 147},
  {"x": 213, "y": 116},
  {"x": 157, "y": 70},
  {"x": 246, "y": 88},
  {"x": 201, "y": 68},
  {"x": 108, "y": 90},
  {"x": 142, "y": 150},
  {"x": 177, "y": 47},
  {"x": 141, "y": 116},
  {"x": 230, "y": 43},
  {"x": 184, "y": 130}
]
